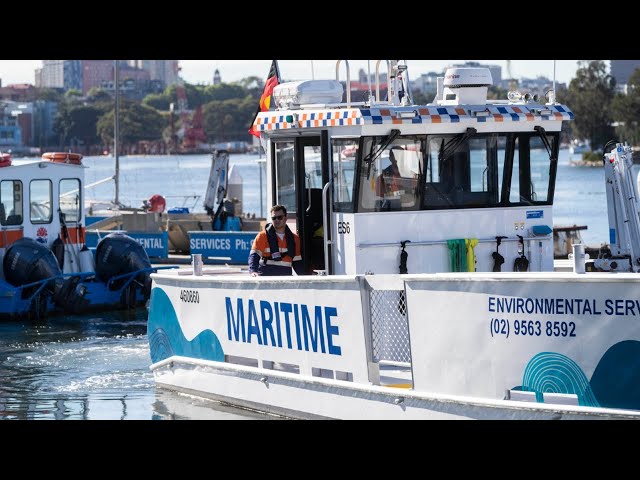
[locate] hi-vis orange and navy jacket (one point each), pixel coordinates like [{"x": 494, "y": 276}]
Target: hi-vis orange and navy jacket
[{"x": 260, "y": 257}]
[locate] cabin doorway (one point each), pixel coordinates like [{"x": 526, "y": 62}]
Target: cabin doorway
[{"x": 300, "y": 167}]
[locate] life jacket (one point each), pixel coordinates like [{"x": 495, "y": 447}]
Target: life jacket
[{"x": 272, "y": 238}]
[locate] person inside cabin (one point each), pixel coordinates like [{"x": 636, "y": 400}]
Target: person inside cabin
[
  {"x": 276, "y": 249},
  {"x": 388, "y": 182}
]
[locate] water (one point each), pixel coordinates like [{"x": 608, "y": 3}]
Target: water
[
  {"x": 97, "y": 366},
  {"x": 91, "y": 367},
  {"x": 182, "y": 180}
]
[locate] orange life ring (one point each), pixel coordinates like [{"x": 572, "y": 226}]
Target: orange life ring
[
  {"x": 5, "y": 160},
  {"x": 63, "y": 157}
]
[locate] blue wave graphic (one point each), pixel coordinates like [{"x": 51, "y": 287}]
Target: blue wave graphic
[
  {"x": 616, "y": 379},
  {"x": 166, "y": 337},
  {"x": 550, "y": 372},
  {"x": 615, "y": 382}
]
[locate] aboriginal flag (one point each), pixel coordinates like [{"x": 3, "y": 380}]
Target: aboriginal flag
[{"x": 273, "y": 79}]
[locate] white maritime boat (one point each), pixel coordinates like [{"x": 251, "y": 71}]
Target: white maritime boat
[{"x": 437, "y": 299}]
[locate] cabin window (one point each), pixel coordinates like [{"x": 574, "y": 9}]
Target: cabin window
[
  {"x": 540, "y": 170},
  {"x": 70, "y": 199},
  {"x": 11, "y": 202},
  {"x": 533, "y": 171},
  {"x": 40, "y": 198},
  {"x": 461, "y": 171},
  {"x": 390, "y": 174},
  {"x": 464, "y": 170},
  {"x": 514, "y": 192},
  {"x": 285, "y": 175},
  {"x": 343, "y": 154}
]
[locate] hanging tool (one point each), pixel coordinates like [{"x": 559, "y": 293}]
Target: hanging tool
[
  {"x": 521, "y": 263},
  {"x": 497, "y": 258},
  {"x": 403, "y": 256}
]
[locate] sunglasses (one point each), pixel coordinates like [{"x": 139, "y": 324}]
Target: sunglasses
[{"x": 277, "y": 217}]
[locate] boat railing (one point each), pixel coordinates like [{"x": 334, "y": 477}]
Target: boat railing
[
  {"x": 444, "y": 242},
  {"x": 41, "y": 284},
  {"x": 130, "y": 276},
  {"x": 348, "y": 80},
  {"x": 378, "y": 78},
  {"x": 326, "y": 191}
]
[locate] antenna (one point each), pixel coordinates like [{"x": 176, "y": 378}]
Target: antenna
[{"x": 116, "y": 133}]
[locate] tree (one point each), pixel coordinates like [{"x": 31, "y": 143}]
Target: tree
[
  {"x": 73, "y": 93},
  {"x": 96, "y": 94},
  {"x": 159, "y": 101},
  {"x": 137, "y": 123},
  {"x": 589, "y": 97},
  {"x": 76, "y": 122},
  {"x": 225, "y": 91},
  {"x": 48, "y": 94},
  {"x": 229, "y": 119},
  {"x": 626, "y": 111}
]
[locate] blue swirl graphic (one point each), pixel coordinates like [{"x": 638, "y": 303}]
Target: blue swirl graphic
[
  {"x": 615, "y": 382},
  {"x": 550, "y": 372},
  {"x": 166, "y": 337}
]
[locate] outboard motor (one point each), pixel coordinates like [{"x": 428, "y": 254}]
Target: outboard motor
[
  {"x": 119, "y": 254},
  {"x": 27, "y": 261}
]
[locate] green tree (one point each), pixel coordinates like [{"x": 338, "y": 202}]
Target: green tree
[
  {"x": 48, "y": 94},
  {"x": 225, "y": 91},
  {"x": 63, "y": 123},
  {"x": 77, "y": 123},
  {"x": 589, "y": 96},
  {"x": 96, "y": 94},
  {"x": 137, "y": 122},
  {"x": 229, "y": 119},
  {"x": 626, "y": 111},
  {"x": 159, "y": 101},
  {"x": 73, "y": 93}
]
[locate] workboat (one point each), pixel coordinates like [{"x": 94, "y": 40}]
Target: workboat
[
  {"x": 434, "y": 297},
  {"x": 46, "y": 265}
]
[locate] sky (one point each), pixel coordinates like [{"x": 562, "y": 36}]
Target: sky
[{"x": 201, "y": 71}]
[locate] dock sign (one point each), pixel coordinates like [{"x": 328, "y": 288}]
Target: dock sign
[
  {"x": 156, "y": 244},
  {"x": 222, "y": 247}
]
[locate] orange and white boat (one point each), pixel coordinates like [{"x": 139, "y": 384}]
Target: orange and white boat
[
  {"x": 63, "y": 157},
  {"x": 45, "y": 264}
]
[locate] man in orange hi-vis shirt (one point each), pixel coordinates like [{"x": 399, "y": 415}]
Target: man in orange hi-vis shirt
[{"x": 276, "y": 249}]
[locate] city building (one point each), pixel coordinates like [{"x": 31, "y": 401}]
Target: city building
[
  {"x": 165, "y": 71},
  {"x": 18, "y": 92}
]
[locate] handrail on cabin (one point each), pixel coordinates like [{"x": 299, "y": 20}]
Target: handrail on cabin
[
  {"x": 378, "y": 77},
  {"x": 348, "y": 80}
]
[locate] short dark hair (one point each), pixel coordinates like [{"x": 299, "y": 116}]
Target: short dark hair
[{"x": 278, "y": 207}]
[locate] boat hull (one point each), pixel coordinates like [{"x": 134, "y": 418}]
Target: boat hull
[
  {"x": 279, "y": 393},
  {"x": 502, "y": 345}
]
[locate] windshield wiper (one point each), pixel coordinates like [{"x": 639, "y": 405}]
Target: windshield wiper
[
  {"x": 373, "y": 154},
  {"x": 545, "y": 140},
  {"x": 455, "y": 142}
]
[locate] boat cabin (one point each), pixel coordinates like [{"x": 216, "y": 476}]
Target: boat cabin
[
  {"x": 463, "y": 183},
  {"x": 41, "y": 199}
]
